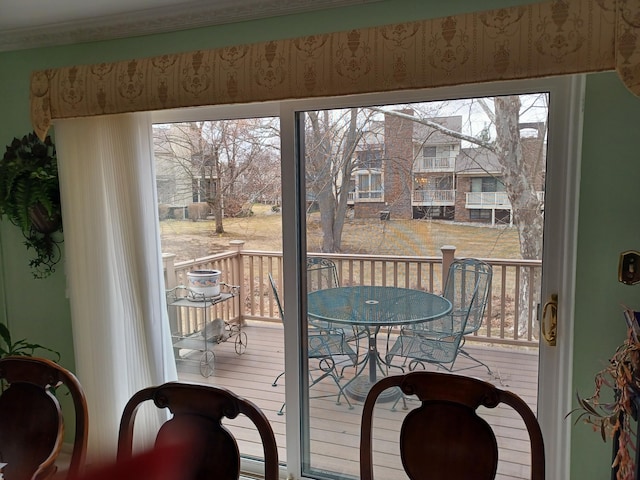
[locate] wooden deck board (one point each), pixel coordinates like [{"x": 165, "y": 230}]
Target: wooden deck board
[{"x": 335, "y": 429}]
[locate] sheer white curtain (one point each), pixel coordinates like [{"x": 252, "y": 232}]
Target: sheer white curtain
[{"x": 113, "y": 266}]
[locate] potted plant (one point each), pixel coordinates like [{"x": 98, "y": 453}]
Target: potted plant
[
  {"x": 9, "y": 347},
  {"x": 30, "y": 198},
  {"x": 614, "y": 401}
]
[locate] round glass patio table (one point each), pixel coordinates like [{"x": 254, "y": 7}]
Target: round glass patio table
[{"x": 373, "y": 307}]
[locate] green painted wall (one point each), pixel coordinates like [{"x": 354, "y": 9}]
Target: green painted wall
[
  {"x": 609, "y": 202},
  {"x": 608, "y": 225}
]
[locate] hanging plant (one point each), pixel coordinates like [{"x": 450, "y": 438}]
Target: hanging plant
[{"x": 30, "y": 198}]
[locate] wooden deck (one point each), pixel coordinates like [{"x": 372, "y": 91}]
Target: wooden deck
[{"x": 335, "y": 429}]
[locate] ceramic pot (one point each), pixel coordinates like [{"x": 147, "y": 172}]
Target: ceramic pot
[{"x": 204, "y": 282}]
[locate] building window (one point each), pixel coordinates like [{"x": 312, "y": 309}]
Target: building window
[
  {"x": 166, "y": 187},
  {"x": 370, "y": 159},
  {"x": 487, "y": 184},
  {"x": 440, "y": 183},
  {"x": 437, "y": 156},
  {"x": 479, "y": 214},
  {"x": 369, "y": 185},
  {"x": 204, "y": 189}
]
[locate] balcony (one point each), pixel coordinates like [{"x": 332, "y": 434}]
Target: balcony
[
  {"x": 487, "y": 200},
  {"x": 434, "y": 198},
  {"x": 368, "y": 196},
  {"x": 512, "y": 352},
  {"x": 434, "y": 164}
]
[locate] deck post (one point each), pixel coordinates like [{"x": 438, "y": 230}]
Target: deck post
[
  {"x": 448, "y": 256},
  {"x": 168, "y": 262},
  {"x": 238, "y": 275},
  {"x": 170, "y": 281}
]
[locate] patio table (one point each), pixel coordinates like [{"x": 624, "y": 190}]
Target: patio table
[{"x": 373, "y": 307}]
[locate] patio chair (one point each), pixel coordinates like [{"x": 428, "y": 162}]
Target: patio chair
[
  {"x": 440, "y": 341},
  {"x": 323, "y": 345},
  {"x": 322, "y": 273},
  {"x": 198, "y": 411},
  {"x": 32, "y": 423},
  {"x": 444, "y": 438}
]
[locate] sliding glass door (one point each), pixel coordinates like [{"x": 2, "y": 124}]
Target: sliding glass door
[{"x": 305, "y": 204}]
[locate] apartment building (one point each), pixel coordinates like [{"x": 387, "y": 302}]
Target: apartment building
[{"x": 421, "y": 169}]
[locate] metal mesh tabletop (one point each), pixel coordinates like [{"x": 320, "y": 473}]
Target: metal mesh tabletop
[{"x": 376, "y": 305}]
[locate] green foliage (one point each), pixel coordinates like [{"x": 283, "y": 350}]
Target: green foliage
[
  {"x": 30, "y": 198},
  {"x": 21, "y": 347}
]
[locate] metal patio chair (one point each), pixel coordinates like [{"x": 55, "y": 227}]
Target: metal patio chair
[
  {"x": 440, "y": 341},
  {"x": 323, "y": 345},
  {"x": 322, "y": 273}
]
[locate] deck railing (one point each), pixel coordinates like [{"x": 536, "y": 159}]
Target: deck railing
[{"x": 514, "y": 289}]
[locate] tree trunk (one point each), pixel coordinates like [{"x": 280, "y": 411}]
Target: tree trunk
[{"x": 521, "y": 189}]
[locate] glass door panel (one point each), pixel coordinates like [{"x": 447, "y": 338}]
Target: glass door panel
[
  {"x": 384, "y": 204},
  {"x": 219, "y": 203},
  {"x": 388, "y": 227}
]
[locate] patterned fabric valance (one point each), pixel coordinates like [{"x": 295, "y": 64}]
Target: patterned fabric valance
[{"x": 550, "y": 38}]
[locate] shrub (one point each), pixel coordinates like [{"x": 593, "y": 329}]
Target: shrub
[
  {"x": 164, "y": 211},
  {"x": 198, "y": 211}
]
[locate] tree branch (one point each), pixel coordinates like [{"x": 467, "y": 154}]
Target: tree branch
[{"x": 437, "y": 126}]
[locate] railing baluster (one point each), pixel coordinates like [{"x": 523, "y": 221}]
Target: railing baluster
[{"x": 516, "y": 306}]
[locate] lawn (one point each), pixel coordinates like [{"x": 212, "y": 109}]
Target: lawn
[{"x": 262, "y": 231}]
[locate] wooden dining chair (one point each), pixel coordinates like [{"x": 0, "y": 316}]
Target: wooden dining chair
[
  {"x": 444, "y": 438},
  {"x": 31, "y": 420},
  {"x": 198, "y": 411}
]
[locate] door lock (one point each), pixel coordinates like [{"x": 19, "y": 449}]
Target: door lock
[{"x": 550, "y": 320}]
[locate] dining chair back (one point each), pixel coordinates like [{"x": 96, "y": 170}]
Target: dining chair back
[
  {"x": 444, "y": 438},
  {"x": 199, "y": 410},
  {"x": 32, "y": 422}
]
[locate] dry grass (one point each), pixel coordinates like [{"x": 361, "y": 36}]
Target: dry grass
[{"x": 262, "y": 231}]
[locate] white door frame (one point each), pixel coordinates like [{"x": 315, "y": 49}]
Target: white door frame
[
  {"x": 555, "y": 369},
  {"x": 565, "y": 140},
  {"x": 560, "y": 245}
]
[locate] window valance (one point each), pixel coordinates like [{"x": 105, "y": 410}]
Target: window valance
[{"x": 542, "y": 39}]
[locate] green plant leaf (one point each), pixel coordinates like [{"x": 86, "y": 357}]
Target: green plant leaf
[
  {"x": 6, "y": 336},
  {"x": 22, "y": 347},
  {"x": 28, "y": 182}
]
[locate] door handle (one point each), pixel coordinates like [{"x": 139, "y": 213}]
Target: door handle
[{"x": 549, "y": 322}]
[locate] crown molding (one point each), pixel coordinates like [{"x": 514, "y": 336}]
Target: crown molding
[{"x": 200, "y": 13}]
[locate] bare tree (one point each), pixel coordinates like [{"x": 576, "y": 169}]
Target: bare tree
[
  {"x": 331, "y": 141},
  {"x": 523, "y": 165},
  {"x": 226, "y": 164}
]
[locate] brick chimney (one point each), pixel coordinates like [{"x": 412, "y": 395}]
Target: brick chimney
[{"x": 398, "y": 164}]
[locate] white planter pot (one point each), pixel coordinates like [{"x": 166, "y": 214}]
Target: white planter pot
[{"x": 204, "y": 282}]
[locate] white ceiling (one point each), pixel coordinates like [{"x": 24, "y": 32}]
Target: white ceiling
[{"x": 38, "y": 23}]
